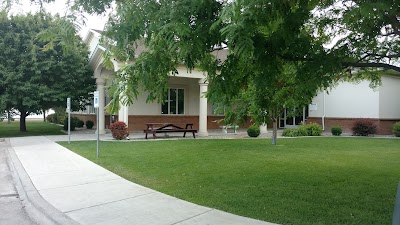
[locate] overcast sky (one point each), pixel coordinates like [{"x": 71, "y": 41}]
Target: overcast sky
[{"x": 59, "y": 6}]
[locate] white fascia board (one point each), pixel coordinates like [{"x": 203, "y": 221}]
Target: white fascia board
[{"x": 96, "y": 54}]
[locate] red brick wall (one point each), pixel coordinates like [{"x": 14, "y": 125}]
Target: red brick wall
[{"x": 384, "y": 125}]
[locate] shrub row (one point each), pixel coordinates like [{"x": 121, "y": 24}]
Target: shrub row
[
  {"x": 76, "y": 122},
  {"x": 365, "y": 127},
  {"x": 311, "y": 129},
  {"x": 57, "y": 117},
  {"x": 62, "y": 118}
]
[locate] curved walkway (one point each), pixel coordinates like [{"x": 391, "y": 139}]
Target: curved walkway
[{"x": 89, "y": 194}]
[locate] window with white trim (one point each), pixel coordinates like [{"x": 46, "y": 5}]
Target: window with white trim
[{"x": 175, "y": 103}]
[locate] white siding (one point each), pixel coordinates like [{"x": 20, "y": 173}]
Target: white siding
[
  {"x": 348, "y": 100},
  {"x": 191, "y": 87},
  {"x": 389, "y": 93},
  {"x": 93, "y": 42}
]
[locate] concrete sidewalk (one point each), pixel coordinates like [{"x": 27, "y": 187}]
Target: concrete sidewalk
[{"x": 90, "y": 194}]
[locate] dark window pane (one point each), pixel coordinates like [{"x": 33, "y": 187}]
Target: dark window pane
[
  {"x": 172, "y": 101},
  {"x": 281, "y": 123},
  {"x": 164, "y": 106},
  {"x": 299, "y": 120},
  {"x": 181, "y": 101}
]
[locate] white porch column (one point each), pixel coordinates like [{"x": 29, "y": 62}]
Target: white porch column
[
  {"x": 126, "y": 115},
  {"x": 100, "y": 88},
  {"x": 203, "y": 109},
  {"x": 121, "y": 112}
]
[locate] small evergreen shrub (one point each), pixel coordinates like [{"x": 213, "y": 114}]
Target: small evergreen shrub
[
  {"x": 396, "y": 129},
  {"x": 363, "y": 127},
  {"x": 290, "y": 132},
  {"x": 336, "y": 131},
  {"x": 119, "y": 130},
  {"x": 302, "y": 131},
  {"x": 73, "y": 124},
  {"x": 253, "y": 131},
  {"x": 79, "y": 123},
  {"x": 313, "y": 129},
  {"x": 89, "y": 124}
]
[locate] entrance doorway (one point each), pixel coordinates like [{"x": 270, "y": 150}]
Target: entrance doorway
[{"x": 290, "y": 119}]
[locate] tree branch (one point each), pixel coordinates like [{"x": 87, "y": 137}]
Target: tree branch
[{"x": 371, "y": 65}]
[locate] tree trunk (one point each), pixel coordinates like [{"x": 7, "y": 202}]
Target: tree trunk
[
  {"x": 44, "y": 115},
  {"x": 275, "y": 131},
  {"x": 22, "y": 122},
  {"x": 8, "y": 117}
]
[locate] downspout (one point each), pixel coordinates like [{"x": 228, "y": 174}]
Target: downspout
[{"x": 323, "y": 114}]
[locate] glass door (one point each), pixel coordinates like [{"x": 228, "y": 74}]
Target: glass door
[{"x": 289, "y": 119}]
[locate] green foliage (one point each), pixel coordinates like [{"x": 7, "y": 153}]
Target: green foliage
[
  {"x": 396, "y": 129},
  {"x": 80, "y": 123},
  {"x": 51, "y": 118},
  {"x": 72, "y": 123},
  {"x": 32, "y": 79},
  {"x": 89, "y": 124},
  {"x": 369, "y": 32},
  {"x": 336, "y": 131},
  {"x": 311, "y": 129},
  {"x": 58, "y": 117},
  {"x": 290, "y": 132},
  {"x": 253, "y": 131},
  {"x": 363, "y": 127},
  {"x": 303, "y": 130}
]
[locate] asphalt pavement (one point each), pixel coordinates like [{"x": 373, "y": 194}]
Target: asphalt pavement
[{"x": 12, "y": 208}]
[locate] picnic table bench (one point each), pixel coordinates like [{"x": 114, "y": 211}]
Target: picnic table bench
[{"x": 154, "y": 128}]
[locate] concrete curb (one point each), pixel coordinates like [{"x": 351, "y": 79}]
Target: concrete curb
[{"x": 38, "y": 209}]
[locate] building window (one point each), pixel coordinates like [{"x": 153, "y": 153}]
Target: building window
[
  {"x": 218, "y": 109},
  {"x": 175, "y": 102}
]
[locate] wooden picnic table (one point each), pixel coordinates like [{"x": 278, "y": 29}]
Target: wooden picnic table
[{"x": 154, "y": 128}]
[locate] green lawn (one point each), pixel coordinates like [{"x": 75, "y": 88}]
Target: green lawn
[
  {"x": 300, "y": 181},
  {"x": 34, "y": 128}
]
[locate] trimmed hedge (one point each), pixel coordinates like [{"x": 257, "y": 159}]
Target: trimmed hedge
[
  {"x": 89, "y": 124},
  {"x": 253, "y": 131},
  {"x": 80, "y": 123},
  {"x": 336, "y": 131},
  {"x": 73, "y": 124}
]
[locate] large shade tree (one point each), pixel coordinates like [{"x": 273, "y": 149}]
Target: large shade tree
[
  {"x": 34, "y": 76},
  {"x": 366, "y": 34},
  {"x": 275, "y": 59}
]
